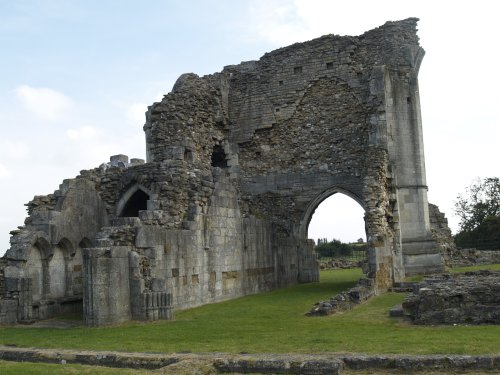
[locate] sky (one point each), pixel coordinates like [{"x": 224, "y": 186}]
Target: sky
[{"x": 77, "y": 76}]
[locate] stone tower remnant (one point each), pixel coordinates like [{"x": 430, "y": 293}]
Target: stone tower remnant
[{"x": 237, "y": 162}]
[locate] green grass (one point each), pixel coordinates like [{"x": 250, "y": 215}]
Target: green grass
[
  {"x": 273, "y": 322},
  {"x": 493, "y": 267},
  {"x": 26, "y": 368}
]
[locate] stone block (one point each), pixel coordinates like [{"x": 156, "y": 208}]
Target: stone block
[
  {"x": 135, "y": 161},
  {"x": 8, "y": 311},
  {"x": 119, "y": 158},
  {"x": 12, "y": 284},
  {"x": 158, "y": 285}
]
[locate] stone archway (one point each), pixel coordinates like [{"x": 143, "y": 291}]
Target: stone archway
[
  {"x": 132, "y": 201},
  {"x": 314, "y": 204},
  {"x": 36, "y": 267}
]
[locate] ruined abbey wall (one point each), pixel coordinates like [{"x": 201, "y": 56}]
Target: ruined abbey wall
[{"x": 237, "y": 162}]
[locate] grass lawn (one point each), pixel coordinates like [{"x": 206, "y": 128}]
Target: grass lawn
[
  {"x": 26, "y": 368},
  {"x": 273, "y": 322}
]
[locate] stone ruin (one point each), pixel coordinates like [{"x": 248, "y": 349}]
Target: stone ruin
[
  {"x": 453, "y": 256},
  {"x": 237, "y": 162},
  {"x": 469, "y": 298}
]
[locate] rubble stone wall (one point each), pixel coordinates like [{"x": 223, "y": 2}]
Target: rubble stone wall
[
  {"x": 470, "y": 298},
  {"x": 452, "y": 256}
]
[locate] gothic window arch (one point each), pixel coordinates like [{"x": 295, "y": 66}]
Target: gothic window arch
[{"x": 134, "y": 200}]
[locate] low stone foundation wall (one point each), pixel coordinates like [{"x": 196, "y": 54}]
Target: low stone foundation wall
[
  {"x": 454, "y": 257},
  {"x": 346, "y": 300},
  {"x": 469, "y": 298},
  {"x": 335, "y": 264},
  {"x": 219, "y": 363}
]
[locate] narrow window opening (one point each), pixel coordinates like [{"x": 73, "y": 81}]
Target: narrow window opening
[
  {"x": 408, "y": 100},
  {"x": 280, "y": 83},
  {"x": 219, "y": 158},
  {"x": 329, "y": 65},
  {"x": 297, "y": 70},
  {"x": 137, "y": 202},
  {"x": 188, "y": 155}
]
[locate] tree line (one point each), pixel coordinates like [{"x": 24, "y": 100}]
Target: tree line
[
  {"x": 479, "y": 212},
  {"x": 338, "y": 249}
]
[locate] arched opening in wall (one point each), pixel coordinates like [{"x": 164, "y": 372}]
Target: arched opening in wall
[
  {"x": 138, "y": 201},
  {"x": 34, "y": 270},
  {"x": 219, "y": 158},
  {"x": 57, "y": 270},
  {"x": 338, "y": 228},
  {"x": 85, "y": 243},
  {"x": 188, "y": 155}
]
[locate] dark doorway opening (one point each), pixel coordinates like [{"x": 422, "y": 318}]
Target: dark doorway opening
[
  {"x": 137, "y": 202},
  {"x": 219, "y": 158}
]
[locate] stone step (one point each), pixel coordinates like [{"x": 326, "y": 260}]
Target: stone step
[{"x": 396, "y": 311}]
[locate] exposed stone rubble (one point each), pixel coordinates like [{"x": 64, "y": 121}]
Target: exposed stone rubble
[
  {"x": 237, "y": 162},
  {"x": 470, "y": 298},
  {"x": 346, "y": 300},
  {"x": 452, "y": 256},
  {"x": 440, "y": 230},
  {"x": 334, "y": 264}
]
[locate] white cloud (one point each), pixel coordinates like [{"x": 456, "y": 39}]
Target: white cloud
[
  {"x": 85, "y": 132},
  {"x": 285, "y": 22},
  {"x": 45, "y": 103},
  {"x": 277, "y": 22},
  {"x": 13, "y": 150},
  {"x": 4, "y": 172},
  {"x": 136, "y": 114}
]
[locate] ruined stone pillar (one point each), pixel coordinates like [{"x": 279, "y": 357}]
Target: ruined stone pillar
[
  {"x": 406, "y": 153},
  {"x": 106, "y": 292}
]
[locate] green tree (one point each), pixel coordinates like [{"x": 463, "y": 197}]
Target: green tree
[
  {"x": 482, "y": 200},
  {"x": 479, "y": 212},
  {"x": 335, "y": 248}
]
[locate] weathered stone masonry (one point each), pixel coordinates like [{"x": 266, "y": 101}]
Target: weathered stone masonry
[{"x": 237, "y": 162}]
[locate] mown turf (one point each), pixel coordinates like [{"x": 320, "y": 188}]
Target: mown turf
[
  {"x": 493, "y": 267},
  {"x": 25, "y": 368},
  {"x": 273, "y": 322}
]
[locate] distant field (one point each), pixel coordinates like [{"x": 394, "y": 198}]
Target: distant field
[{"x": 275, "y": 323}]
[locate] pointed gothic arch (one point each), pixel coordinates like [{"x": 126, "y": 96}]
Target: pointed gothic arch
[
  {"x": 132, "y": 201},
  {"x": 313, "y": 204}
]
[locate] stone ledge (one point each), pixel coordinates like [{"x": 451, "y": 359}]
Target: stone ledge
[{"x": 260, "y": 363}]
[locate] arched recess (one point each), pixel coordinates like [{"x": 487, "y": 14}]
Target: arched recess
[
  {"x": 57, "y": 268},
  {"x": 36, "y": 267},
  {"x": 34, "y": 270},
  {"x": 135, "y": 199},
  {"x": 85, "y": 243},
  {"x": 306, "y": 219}
]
